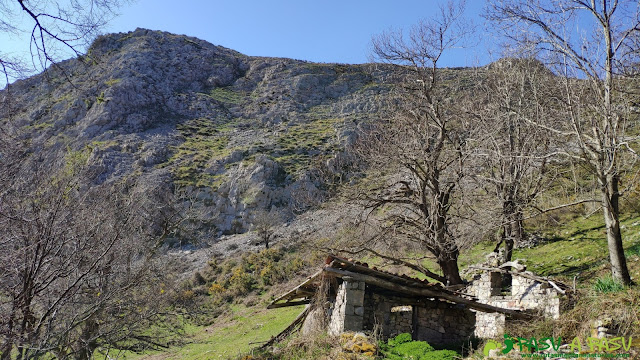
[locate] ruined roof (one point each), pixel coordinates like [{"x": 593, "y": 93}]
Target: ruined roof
[
  {"x": 363, "y": 268},
  {"x": 339, "y": 267},
  {"x": 302, "y": 293}
]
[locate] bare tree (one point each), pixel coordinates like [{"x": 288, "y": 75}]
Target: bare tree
[
  {"x": 418, "y": 150},
  {"x": 512, "y": 152},
  {"x": 589, "y": 44},
  {"x": 264, "y": 223},
  {"x": 54, "y": 28},
  {"x": 77, "y": 270}
]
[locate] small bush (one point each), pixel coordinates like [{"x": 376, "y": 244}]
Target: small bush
[
  {"x": 186, "y": 297},
  {"x": 240, "y": 281},
  {"x": 402, "y": 347},
  {"x": 201, "y": 290},
  {"x": 198, "y": 279},
  {"x": 232, "y": 247},
  {"x": 216, "y": 289},
  {"x": 413, "y": 350},
  {"x": 441, "y": 355},
  {"x": 295, "y": 265},
  {"x": 607, "y": 285},
  {"x": 400, "y": 339},
  {"x": 267, "y": 275}
]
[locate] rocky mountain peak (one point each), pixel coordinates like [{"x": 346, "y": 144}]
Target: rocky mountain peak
[{"x": 244, "y": 133}]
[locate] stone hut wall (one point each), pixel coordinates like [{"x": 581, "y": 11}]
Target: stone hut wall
[
  {"x": 489, "y": 325},
  {"x": 347, "y": 310},
  {"x": 378, "y": 314},
  {"x": 433, "y": 321},
  {"x": 359, "y": 306},
  {"x": 525, "y": 294}
]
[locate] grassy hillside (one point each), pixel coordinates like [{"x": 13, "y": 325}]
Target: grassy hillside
[
  {"x": 575, "y": 247},
  {"x": 233, "y": 334}
]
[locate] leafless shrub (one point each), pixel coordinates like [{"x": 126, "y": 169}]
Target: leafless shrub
[
  {"x": 54, "y": 28},
  {"x": 79, "y": 267}
]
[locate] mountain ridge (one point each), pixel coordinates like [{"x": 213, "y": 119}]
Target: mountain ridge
[{"x": 245, "y": 132}]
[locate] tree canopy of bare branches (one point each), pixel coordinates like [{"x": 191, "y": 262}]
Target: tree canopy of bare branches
[
  {"x": 54, "y": 28},
  {"x": 590, "y": 45},
  {"x": 264, "y": 223},
  {"x": 512, "y": 152},
  {"x": 78, "y": 270},
  {"x": 422, "y": 140}
]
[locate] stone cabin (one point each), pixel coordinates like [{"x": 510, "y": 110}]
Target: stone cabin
[
  {"x": 346, "y": 295},
  {"x": 526, "y": 292}
]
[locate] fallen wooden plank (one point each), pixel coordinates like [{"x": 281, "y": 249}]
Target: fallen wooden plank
[
  {"x": 289, "y": 303},
  {"x": 292, "y": 294},
  {"x": 291, "y": 328}
]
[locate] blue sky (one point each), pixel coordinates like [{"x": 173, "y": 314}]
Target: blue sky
[
  {"x": 313, "y": 30},
  {"x": 322, "y": 31}
]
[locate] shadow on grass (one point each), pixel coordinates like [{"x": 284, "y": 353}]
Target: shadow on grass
[
  {"x": 592, "y": 268},
  {"x": 585, "y": 271},
  {"x": 585, "y": 231},
  {"x": 633, "y": 250},
  {"x": 584, "y": 234}
]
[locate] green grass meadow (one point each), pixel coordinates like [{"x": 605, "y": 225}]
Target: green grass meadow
[{"x": 233, "y": 334}]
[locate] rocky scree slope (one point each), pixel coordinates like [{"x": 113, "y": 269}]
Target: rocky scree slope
[{"x": 239, "y": 133}]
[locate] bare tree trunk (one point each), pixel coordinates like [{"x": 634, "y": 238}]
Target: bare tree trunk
[
  {"x": 448, "y": 262},
  {"x": 87, "y": 341},
  {"x": 513, "y": 233},
  {"x": 609, "y": 187},
  {"x": 448, "y": 251},
  {"x": 610, "y": 207},
  {"x": 519, "y": 227},
  {"x": 508, "y": 227},
  {"x": 450, "y": 270}
]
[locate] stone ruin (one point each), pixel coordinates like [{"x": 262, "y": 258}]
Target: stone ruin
[
  {"x": 358, "y": 298},
  {"x": 359, "y": 306},
  {"x": 527, "y": 293}
]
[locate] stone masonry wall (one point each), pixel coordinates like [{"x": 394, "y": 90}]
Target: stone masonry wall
[
  {"x": 360, "y": 307},
  {"x": 347, "y": 311},
  {"x": 443, "y": 323},
  {"x": 401, "y": 320},
  {"x": 378, "y": 315},
  {"x": 526, "y": 294},
  {"x": 489, "y": 325},
  {"x": 433, "y": 321}
]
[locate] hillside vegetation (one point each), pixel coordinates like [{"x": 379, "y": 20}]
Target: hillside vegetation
[
  {"x": 135, "y": 180},
  {"x": 245, "y": 133},
  {"x": 574, "y": 248}
]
